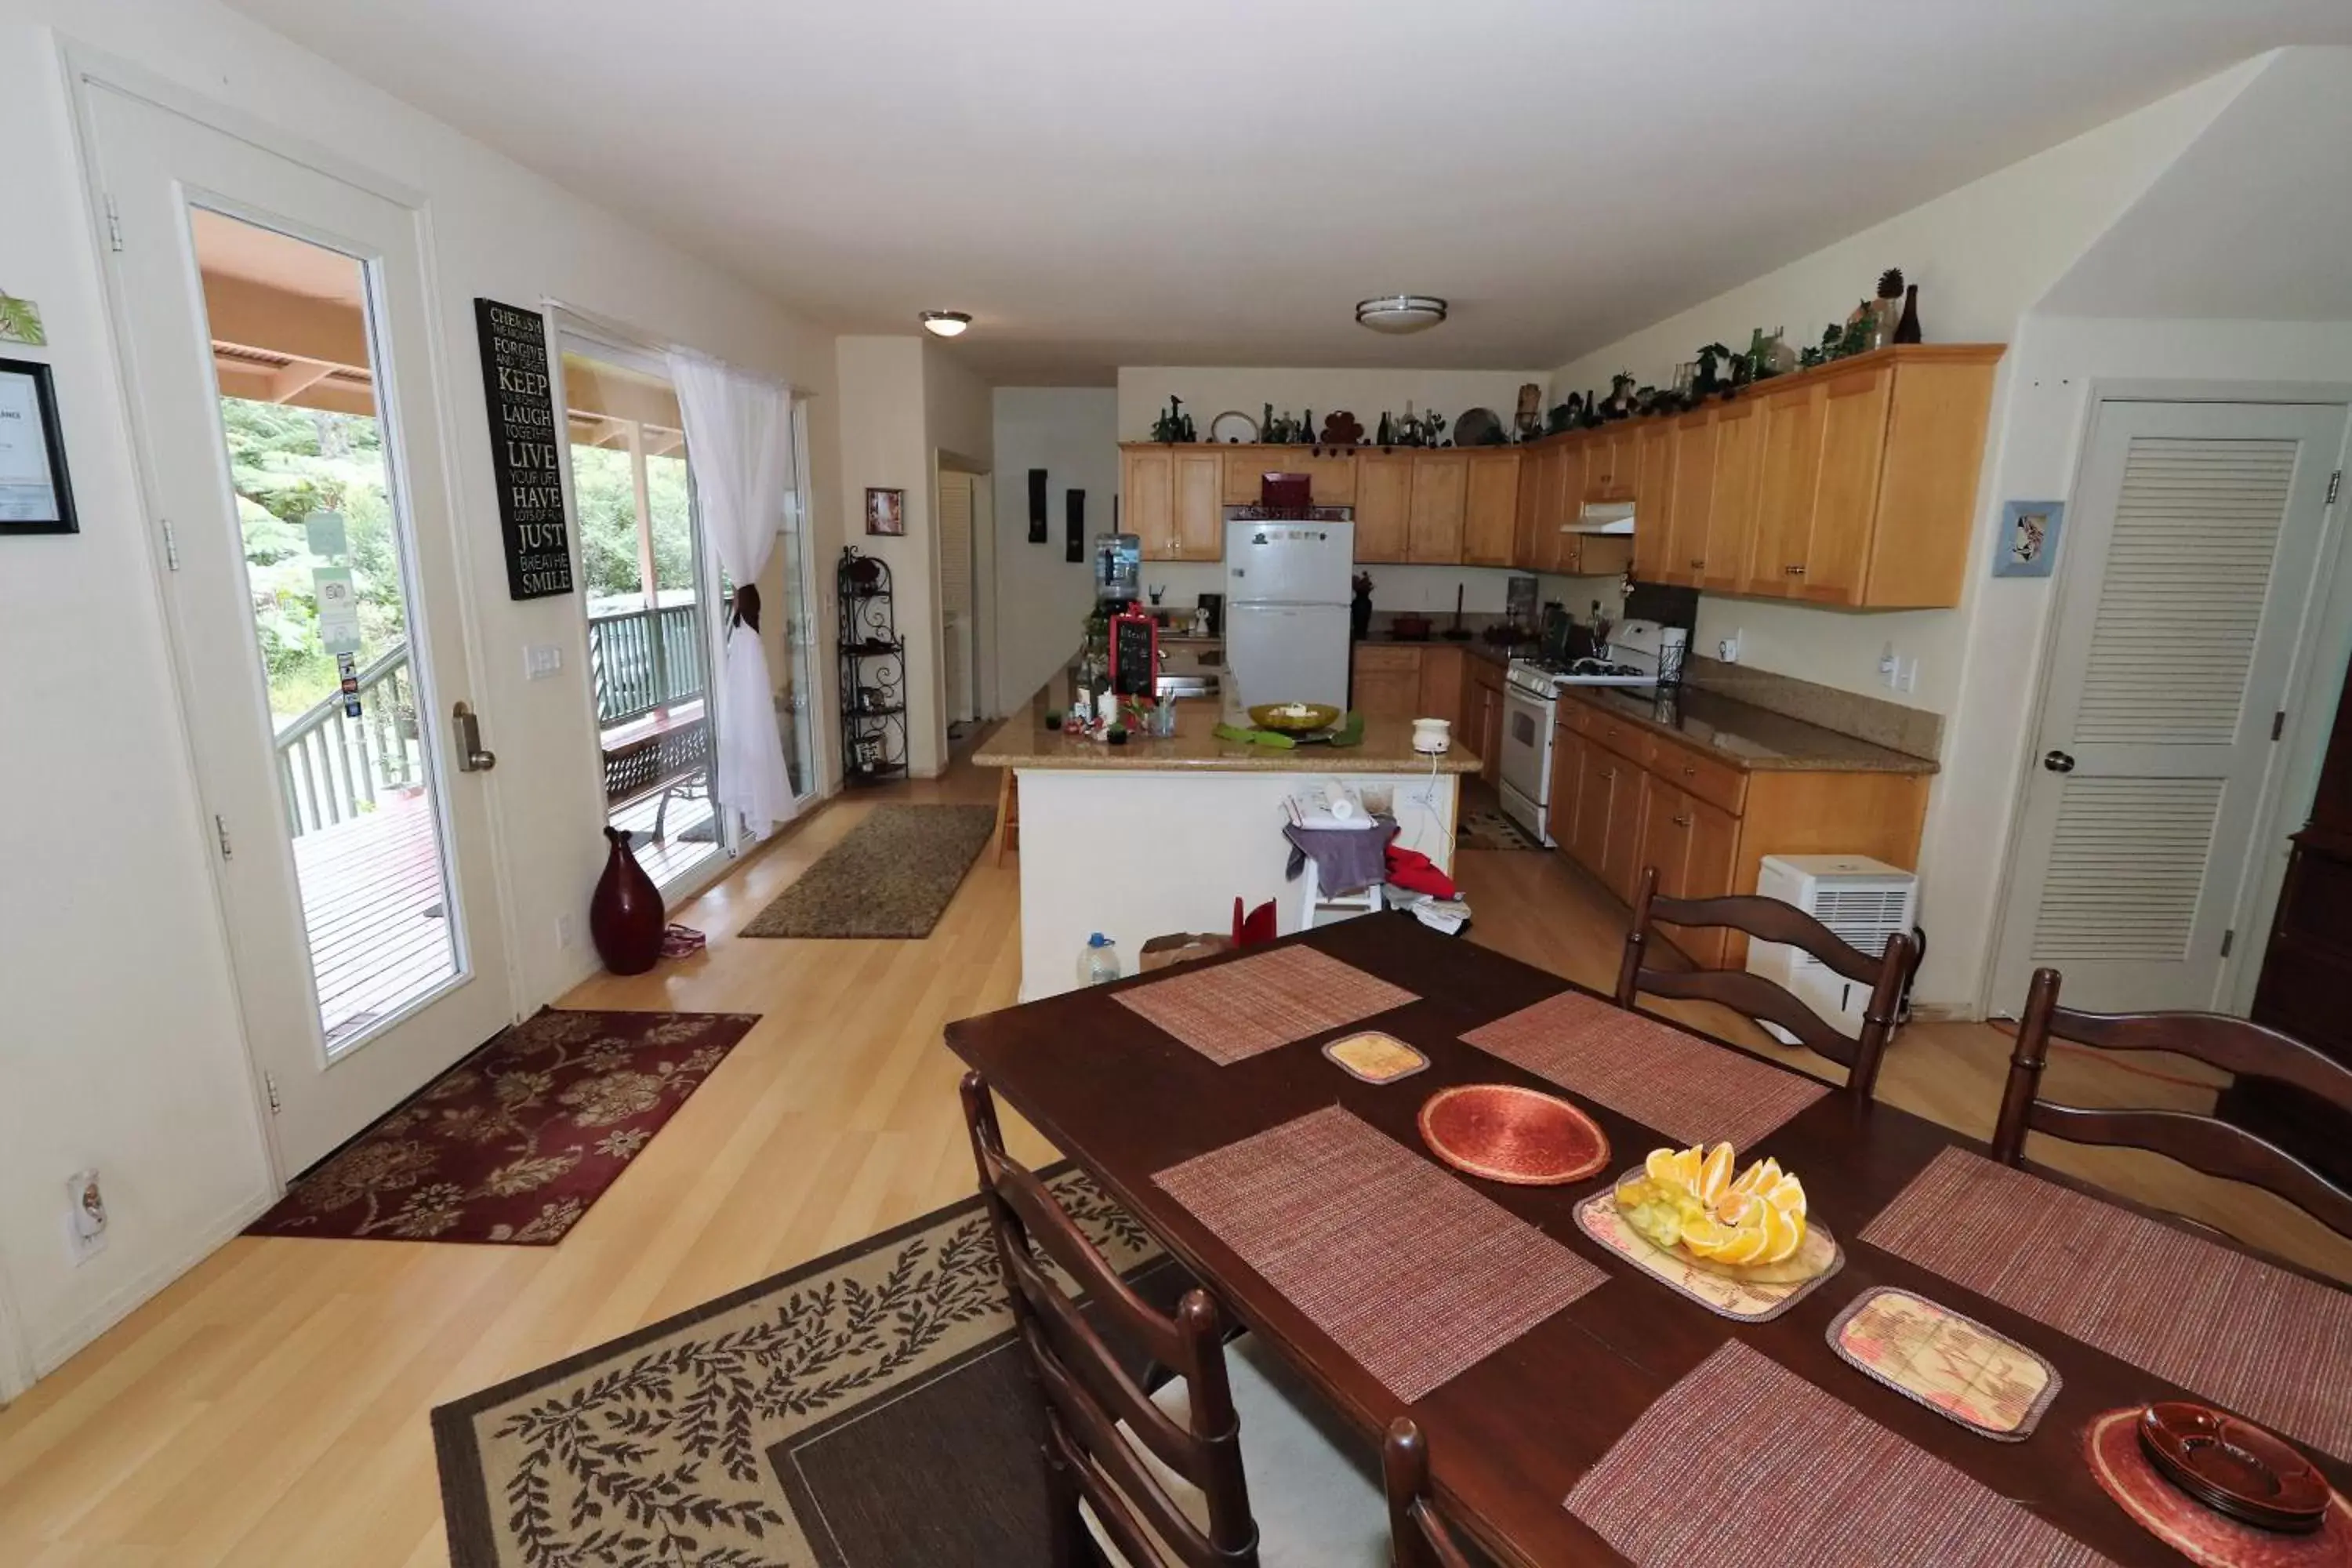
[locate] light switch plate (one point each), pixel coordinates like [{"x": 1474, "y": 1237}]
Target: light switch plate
[{"x": 541, "y": 661}]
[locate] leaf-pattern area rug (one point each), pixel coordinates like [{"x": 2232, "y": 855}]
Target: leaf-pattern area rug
[
  {"x": 867, "y": 1410},
  {"x": 514, "y": 1143},
  {"x": 892, "y": 875}
]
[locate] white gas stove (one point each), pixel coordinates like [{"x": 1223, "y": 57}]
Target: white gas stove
[{"x": 1641, "y": 655}]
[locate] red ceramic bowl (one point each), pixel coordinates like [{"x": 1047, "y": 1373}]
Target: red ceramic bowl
[
  {"x": 2233, "y": 1466},
  {"x": 1505, "y": 1134}
]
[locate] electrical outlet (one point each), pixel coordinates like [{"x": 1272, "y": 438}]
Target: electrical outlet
[
  {"x": 85, "y": 1216},
  {"x": 1909, "y": 681},
  {"x": 567, "y": 930},
  {"x": 1727, "y": 648}
]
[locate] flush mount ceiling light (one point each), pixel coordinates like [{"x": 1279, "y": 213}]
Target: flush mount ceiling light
[
  {"x": 1399, "y": 312},
  {"x": 946, "y": 323}
]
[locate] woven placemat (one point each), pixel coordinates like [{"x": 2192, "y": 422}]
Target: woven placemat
[
  {"x": 1749, "y": 1300},
  {"x": 1951, "y": 1364},
  {"x": 2269, "y": 1344},
  {"x": 1691, "y": 1090},
  {"x": 1231, "y": 1012},
  {"x": 1409, "y": 1270},
  {"x": 1743, "y": 1464}
]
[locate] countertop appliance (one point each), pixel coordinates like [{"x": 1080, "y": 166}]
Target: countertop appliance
[
  {"x": 1641, "y": 655},
  {"x": 1287, "y": 592}
]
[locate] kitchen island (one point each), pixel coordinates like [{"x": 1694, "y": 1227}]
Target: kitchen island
[{"x": 1159, "y": 837}]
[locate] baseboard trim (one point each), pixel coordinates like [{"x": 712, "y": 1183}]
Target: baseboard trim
[
  {"x": 78, "y": 1336},
  {"x": 1945, "y": 1013}
]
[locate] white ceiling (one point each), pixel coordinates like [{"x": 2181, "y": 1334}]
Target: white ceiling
[{"x": 1105, "y": 183}]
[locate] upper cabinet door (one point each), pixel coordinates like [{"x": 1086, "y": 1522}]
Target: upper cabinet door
[
  {"x": 1563, "y": 498},
  {"x": 1441, "y": 482},
  {"x": 1731, "y": 498},
  {"x": 1333, "y": 472},
  {"x": 1845, "y": 500},
  {"x": 1383, "y": 505},
  {"x": 1654, "y": 500},
  {"x": 1537, "y": 466},
  {"x": 1693, "y": 493},
  {"x": 1609, "y": 464},
  {"x": 1784, "y": 499},
  {"x": 1245, "y": 469},
  {"x": 1148, "y": 491},
  {"x": 1491, "y": 508},
  {"x": 1200, "y": 505}
]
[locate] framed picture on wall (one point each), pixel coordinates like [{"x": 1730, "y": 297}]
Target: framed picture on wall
[
  {"x": 885, "y": 510},
  {"x": 2029, "y": 538},
  {"x": 36, "y": 495}
]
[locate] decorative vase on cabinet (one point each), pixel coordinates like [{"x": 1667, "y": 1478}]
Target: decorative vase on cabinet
[{"x": 625, "y": 918}]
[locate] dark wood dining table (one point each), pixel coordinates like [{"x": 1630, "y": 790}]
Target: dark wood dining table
[{"x": 1510, "y": 1436}]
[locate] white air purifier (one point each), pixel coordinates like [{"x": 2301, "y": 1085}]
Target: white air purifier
[{"x": 1865, "y": 902}]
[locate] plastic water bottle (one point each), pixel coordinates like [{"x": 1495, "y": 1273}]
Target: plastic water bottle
[{"x": 1097, "y": 960}]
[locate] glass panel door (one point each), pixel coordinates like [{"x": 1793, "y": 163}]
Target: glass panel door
[{"x": 648, "y": 640}]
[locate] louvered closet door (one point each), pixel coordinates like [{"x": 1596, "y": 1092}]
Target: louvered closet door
[
  {"x": 2181, "y": 598},
  {"x": 956, "y": 594}
]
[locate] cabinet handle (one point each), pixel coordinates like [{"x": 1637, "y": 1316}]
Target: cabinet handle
[
  {"x": 1698, "y": 563},
  {"x": 1796, "y": 570},
  {"x": 1690, "y": 770},
  {"x": 1609, "y": 772},
  {"x": 1682, "y": 821}
]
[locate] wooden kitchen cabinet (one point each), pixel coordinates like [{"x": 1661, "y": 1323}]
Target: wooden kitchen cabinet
[
  {"x": 1387, "y": 681},
  {"x": 1490, "y": 508},
  {"x": 1443, "y": 682},
  {"x": 1654, "y": 443},
  {"x": 1538, "y": 469},
  {"x": 1481, "y": 715},
  {"x": 1738, "y": 461},
  {"x": 1836, "y": 547},
  {"x": 1175, "y": 500},
  {"x": 1609, "y": 469},
  {"x": 1330, "y": 470},
  {"x": 1441, "y": 484},
  {"x": 1596, "y": 804},
  {"x": 1692, "y": 493},
  {"x": 1567, "y": 781},
  {"x": 1383, "y": 506},
  {"x": 1784, "y": 500}
]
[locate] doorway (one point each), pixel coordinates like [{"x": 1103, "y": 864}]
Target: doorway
[
  {"x": 2184, "y": 605},
  {"x": 958, "y": 631},
  {"x": 278, "y": 335}
]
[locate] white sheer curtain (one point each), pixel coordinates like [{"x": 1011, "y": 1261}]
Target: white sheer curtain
[{"x": 739, "y": 444}]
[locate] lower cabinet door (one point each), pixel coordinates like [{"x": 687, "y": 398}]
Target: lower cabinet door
[
  {"x": 1709, "y": 865},
  {"x": 1595, "y": 797},
  {"x": 1387, "y": 693},
  {"x": 1568, "y": 749},
  {"x": 1628, "y": 803},
  {"x": 1665, "y": 836}
]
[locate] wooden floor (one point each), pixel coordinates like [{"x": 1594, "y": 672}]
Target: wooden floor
[
  {"x": 372, "y": 902},
  {"x": 269, "y": 1408}
]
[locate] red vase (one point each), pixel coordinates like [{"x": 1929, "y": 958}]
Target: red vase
[{"x": 626, "y": 919}]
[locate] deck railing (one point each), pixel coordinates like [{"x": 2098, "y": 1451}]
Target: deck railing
[
  {"x": 644, "y": 659},
  {"x": 332, "y": 767}
]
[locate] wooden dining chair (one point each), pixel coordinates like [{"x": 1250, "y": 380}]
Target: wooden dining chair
[
  {"x": 1419, "y": 1536},
  {"x": 1155, "y": 1478},
  {"x": 2206, "y": 1143},
  {"x": 1754, "y": 996}
]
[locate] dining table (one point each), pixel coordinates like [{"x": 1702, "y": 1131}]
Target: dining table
[{"x": 1574, "y": 1361}]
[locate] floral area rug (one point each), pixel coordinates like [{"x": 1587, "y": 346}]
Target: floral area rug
[
  {"x": 867, "y": 1410},
  {"x": 513, "y": 1143}
]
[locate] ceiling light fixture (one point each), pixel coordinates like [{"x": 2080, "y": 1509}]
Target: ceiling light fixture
[
  {"x": 1399, "y": 312},
  {"x": 946, "y": 323}
]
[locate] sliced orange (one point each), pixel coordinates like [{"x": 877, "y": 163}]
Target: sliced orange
[
  {"x": 1660, "y": 1166},
  {"x": 1732, "y": 1207},
  {"x": 1714, "y": 1172},
  {"x": 1705, "y": 1238},
  {"x": 1784, "y": 1234},
  {"x": 1788, "y": 1195},
  {"x": 1746, "y": 1246}
]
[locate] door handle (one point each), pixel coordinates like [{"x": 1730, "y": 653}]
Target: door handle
[
  {"x": 2059, "y": 763},
  {"x": 471, "y": 758}
]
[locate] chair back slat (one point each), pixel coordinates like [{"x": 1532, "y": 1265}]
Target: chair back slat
[
  {"x": 2204, "y": 1143},
  {"x": 1419, "y": 1536},
  {"x": 1088, "y": 1393},
  {"x": 1754, "y": 996}
]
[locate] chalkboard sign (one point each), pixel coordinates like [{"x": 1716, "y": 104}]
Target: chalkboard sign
[
  {"x": 526, "y": 444},
  {"x": 1134, "y": 655}
]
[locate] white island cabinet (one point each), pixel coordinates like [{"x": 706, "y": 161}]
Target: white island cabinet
[{"x": 1159, "y": 837}]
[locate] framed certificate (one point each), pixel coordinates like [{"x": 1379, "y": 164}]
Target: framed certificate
[{"x": 35, "y": 494}]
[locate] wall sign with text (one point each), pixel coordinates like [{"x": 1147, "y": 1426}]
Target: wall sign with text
[{"x": 526, "y": 444}]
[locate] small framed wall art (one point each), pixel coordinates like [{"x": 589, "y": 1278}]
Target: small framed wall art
[
  {"x": 35, "y": 493},
  {"x": 885, "y": 511},
  {"x": 2028, "y": 546}
]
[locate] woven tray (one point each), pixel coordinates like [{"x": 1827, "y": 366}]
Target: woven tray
[
  {"x": 1952, "y": 1364},
  {"x": 1747, "y": 1300}
]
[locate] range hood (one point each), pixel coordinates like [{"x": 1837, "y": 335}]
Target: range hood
[{"x": 1608, "y": 517}]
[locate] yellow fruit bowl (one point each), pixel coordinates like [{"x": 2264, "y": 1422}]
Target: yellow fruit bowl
[
  {"x": 1294, "y": 718},
  {"x": 1752, "y": 1228}
]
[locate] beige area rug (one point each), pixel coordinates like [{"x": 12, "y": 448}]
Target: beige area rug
[
  {"x": 892, "y": 877},
  {"x": 867, "y": 1410}
]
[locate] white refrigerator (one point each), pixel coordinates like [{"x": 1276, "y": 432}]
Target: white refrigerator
[{"x": 1286, "y": 589}]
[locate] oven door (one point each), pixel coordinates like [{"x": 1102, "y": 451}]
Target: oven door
[{"x": 1526, "y": 768}]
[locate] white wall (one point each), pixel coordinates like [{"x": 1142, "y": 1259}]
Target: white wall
[
  {"x": 1981, "y": 255},
  {"x": 1208, "y": 391},
  {"x": 122, "y": 1046},
  {"x": 1042, "y": 598}
]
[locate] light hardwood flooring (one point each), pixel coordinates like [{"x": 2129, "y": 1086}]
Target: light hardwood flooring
[{"x": 269, "y": 1407}]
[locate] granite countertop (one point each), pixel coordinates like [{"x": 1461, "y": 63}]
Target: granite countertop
[
  {"x": 1753, "y": 738},
  {"x": 1023, "y": 742}
]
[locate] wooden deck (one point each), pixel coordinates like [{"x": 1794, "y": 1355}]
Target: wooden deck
[{"x": 374, "y": 901}]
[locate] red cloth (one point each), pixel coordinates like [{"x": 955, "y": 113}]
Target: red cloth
[
  {"x": 1416, "y": 872},
  {"x": 1254, "y": 928}
]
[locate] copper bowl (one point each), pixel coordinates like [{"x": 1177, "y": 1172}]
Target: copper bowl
[
  {"x": 1505, "y": 1134},
  {"x": 2233, "y": 1466}
]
